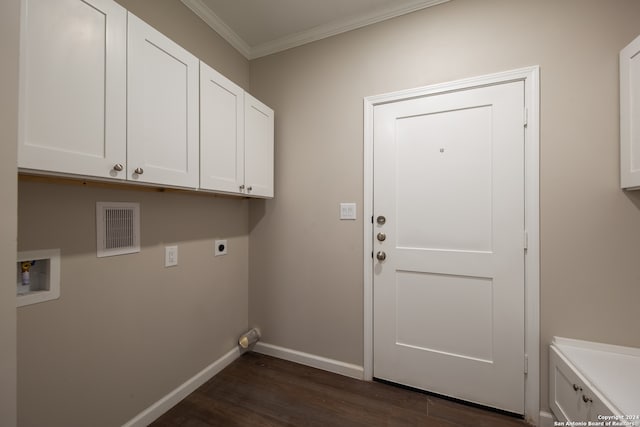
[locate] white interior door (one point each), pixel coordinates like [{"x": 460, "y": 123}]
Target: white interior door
[{"x": 449, "y": 296}]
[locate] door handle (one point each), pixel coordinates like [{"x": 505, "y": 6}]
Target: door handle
[
  {"x": 381, "y": 256},
  {"x": 381, "y": 237},
  {"x": 381, "y": 220}
]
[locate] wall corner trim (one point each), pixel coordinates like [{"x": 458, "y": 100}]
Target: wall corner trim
[
  {"x": 546, "y": 419},
  {"x": 312, "y": 360},
  {"x": 154, "y": 411}
]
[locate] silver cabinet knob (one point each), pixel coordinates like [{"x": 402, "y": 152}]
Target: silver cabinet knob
[
  {"x": 118, "y": 167},
  {"x": 139, "y": 171},
  {"x": 576, "y": 387},
  {"x": 381, "y": 237},
  {"x": 381, "y": 220},
  {"x": 242, "y": 187},
  {"x": 586, "y": 399},
  {"x": 249, "y": 188},
  {"x": 381, "y": 256}
]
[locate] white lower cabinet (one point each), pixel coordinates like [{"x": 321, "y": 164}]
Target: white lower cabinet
[
  {"x": 571, "y": 397},
  {"x": 73, "y": 87}
]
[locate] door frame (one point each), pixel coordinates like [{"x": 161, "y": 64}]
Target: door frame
[{"x": 531, "y": 78}]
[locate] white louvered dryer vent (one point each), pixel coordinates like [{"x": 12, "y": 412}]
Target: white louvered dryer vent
[{"x": 118, "y": 228}]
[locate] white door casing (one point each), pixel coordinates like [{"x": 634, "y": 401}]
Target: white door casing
[{"x": 448, "y": 268}]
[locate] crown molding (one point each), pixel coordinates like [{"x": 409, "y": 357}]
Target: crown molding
[
  {"x": 219, "y": 26},
  {"x": 298, "y": 39},
  {"x": 339, "y": 26}
]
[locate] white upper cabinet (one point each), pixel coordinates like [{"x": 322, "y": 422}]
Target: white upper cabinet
[
  {"x": 162, "y": 109},
  {"x": 258, "y": 148},
  {"x": 236, "y": 138},
  {"x": 73, "y": 87},
  {"x": 105, "y": 95},
  {"x": 221, "y": 132},
  {"x": 630, "y": 115}
]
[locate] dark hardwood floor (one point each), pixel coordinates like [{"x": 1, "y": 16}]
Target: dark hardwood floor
[{"x": 258, "y": 390}]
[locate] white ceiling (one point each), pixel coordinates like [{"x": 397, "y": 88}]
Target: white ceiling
[{"x": 260, "y": 27}]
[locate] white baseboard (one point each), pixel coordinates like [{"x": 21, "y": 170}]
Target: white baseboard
[
  {"x": 154, "y": 411},
  {"x": 331, "y": 365},
  {"x": 546, "y": 419}
]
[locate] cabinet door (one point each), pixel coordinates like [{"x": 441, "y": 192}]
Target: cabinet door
[
  {"x": 630, "y": 115},
  {"x": 565, "y": 390},
  {"x": 258, "y": 148},
  {"x": 571, "y": 397},
  {"x": 73, "y": 87},
  {"x": 162, "y": 109},
  {"x": 221, "y": 132}
]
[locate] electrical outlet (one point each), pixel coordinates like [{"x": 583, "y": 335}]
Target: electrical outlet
[
  {"x": 220, "y": 247},
  {"x": 170, "y": 256}
]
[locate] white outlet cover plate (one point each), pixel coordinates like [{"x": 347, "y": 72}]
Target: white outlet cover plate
[
  {"x": 170, "y": 256},
  {"x": 347, "y": 211},
  {"x": 217, "y": 245}
]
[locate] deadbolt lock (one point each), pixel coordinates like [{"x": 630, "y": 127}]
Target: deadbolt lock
[
  {"x": 381, "y": 256},
  {"x": 381, "y": 237},
  {"x": 381, "y": 220}
]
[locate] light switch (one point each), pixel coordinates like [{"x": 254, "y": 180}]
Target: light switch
[
  {"x": 347, "y": 211},
  {"x": 170, "y": 256}
]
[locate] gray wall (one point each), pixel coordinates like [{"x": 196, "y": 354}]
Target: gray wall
[
  {"x": 126, "y": 331},
  {"x": 306, "y": 285},
  {"x": 9, "y": 33}
]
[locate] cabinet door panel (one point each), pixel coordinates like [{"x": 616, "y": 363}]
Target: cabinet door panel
[
  {"x": 73, "y": 87},
  {"x": 221, "y": 132},
  {"x": 162, "y": 109},
  {"x": 564, "y": 398},
  {"x": 258, "y": 148}
]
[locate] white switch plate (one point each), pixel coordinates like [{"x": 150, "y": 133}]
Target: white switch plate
[
  {"x": 220, "y": 247},
  {"x": 347, "y": 211},
  {"x": 170, "y": 256}
]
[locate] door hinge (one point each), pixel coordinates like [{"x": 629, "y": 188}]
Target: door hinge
[
  {"x": 371, "y": 254},
  {"x": 371, "y": 219},
  {"x": 526, "y": 364},
  {"x": 526, "y": 117},
  {"x": 526, "y": 240}
]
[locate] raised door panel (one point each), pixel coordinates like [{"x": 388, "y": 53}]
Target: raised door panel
[
  {"x": 221, "y": 132},
  {"x": 630, "y": 115},
  {"x": 162, "y": 109},
  {"x": 73, "y": 87},
  {"x": 258, "y": 165}
]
